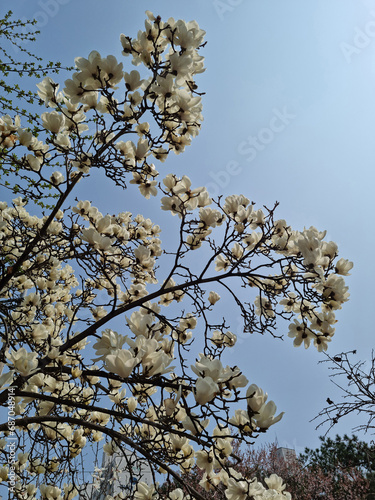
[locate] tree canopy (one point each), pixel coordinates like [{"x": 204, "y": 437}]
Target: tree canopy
[{"x": 341, "y": 455}]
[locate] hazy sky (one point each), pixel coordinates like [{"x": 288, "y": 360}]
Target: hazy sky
[{"x": 289, "y": 115}]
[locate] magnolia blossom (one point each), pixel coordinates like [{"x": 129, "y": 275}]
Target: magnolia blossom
[
  {"x": 133, "y": 80},
  {"x": 264, "y": 307},
  {"x": 47, "y": 90},
  {"x": 242, "y": 420},
  {"x": 209, "y": 481},
  {"x": 206, "y": 390},
  {"x": 213, "y": 297},
  {"x": 154, "y": 360},
  {"x": 57, "y": 178},
  {"x": 222, "y": 263},
  {"x": 343, "y": 266},
  {"x": 205, "y": 460},
  {"x": 33, "y": 162},
  {"x": 94, "y": 238},
  {"x": 177, "y": 494},
  {"x": 144, "y": 492},
  {"x": 300, "y": 333},
  {"x": 110, "y": 342},
  {"x": 194, "y": 424},
  {"x": 23, "y": 362},
  {"x": 321, "y": 342},
  {"x": 48, "y": 491},
  {"x": 237, "y": 490},
  {"x": 110, "y": 448},
  {"x": 275, "y": 482},
  {"x": 121, "y": 363},
  {"x": 208, "y": 367},
  {"x": 131, "y": 404},
  {"x": 53, "y": 121},
  {"x": 223, "y": 339},
  {"x": 255, "y": 397},
  {"x": 265, "y": 416}
]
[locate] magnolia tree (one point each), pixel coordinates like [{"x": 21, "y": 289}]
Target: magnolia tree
[{"x": 158, "y": 388}]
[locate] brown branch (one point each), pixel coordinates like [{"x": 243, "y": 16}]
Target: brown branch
[{"x": 25, "y": 422}]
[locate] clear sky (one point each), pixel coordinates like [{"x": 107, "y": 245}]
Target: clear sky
[{"x": 289, "y": 115}]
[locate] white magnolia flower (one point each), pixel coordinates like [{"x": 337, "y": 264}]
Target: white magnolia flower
[
  {"x": 206, "y": 367},
  {"x": 25, "y": 137},
  {"x": 209, "y": 481},
  {"x": 194, "y": 425},
  {"x": 255, "y": 397},
  {"x": 57, "y": 178},
  {"x": 274, "y": 482},
  {"x": 144, "y": 491},
  {"x": 48, "y": 491},
  {"x": 110, "y": 342},
  {"x": 237, "y": 490},
  {"x": 343, "y": 266},
  {"x": 24, "y": 362},
  {"x": 47, "y": 91},
  {"x": 205, "y": 390},
  {"x": 265, "y": 417},
  {"x": 94, "y": 238},
  {"x": 176, "y": 494},
  {"x": 213, "y": 297},
  {"x": 221, "y": 263},
  {"x": 121, "y": 363},
  {"x": 53, "y": 121},
  {"x": 132, "y": 404}
]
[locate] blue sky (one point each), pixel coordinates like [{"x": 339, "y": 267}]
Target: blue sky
[{"x": 289, "y": 115}]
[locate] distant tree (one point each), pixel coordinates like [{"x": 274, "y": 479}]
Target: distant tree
[
  {"x": 341, "y": 457},
  {"x": 305, "y": 478}
]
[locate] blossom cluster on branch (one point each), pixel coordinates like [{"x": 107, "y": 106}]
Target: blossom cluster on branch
[{"x": 158, "y": 388}]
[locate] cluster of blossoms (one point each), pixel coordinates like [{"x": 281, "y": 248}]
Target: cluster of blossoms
[
  {"x": 236, "y": 488},
  {"x": 66, "y": 276},
  {"x": 119, "y": 101}
]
